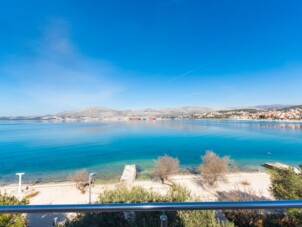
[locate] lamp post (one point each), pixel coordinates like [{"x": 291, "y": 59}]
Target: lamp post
[
  {"x": 91, "y": 175},
  {"x": 20, "y": 182},
  {"x": 163, "y": 220}
]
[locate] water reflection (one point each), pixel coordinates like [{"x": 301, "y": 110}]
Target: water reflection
[{"x": 188, "y": 125}]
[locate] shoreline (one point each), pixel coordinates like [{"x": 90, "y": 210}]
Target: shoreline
[
  {"x": 162, "y": 119},
  {"x": 260, "y": 120},
  {"x": 236, "y": 184},
  {"x": 146, "y": 174},
  {"x": 65, "y": 192},
  {"x": 114, "y": 177}
]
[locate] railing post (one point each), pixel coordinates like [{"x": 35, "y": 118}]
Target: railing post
[
  {"x": 55, "y": 221},
  {"x": 163, "y": 220}
]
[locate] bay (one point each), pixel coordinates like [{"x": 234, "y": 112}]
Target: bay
[{"x": 53, "y": 151}]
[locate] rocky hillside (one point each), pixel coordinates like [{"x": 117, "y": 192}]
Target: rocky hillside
[{"x": 104, "y": 112}]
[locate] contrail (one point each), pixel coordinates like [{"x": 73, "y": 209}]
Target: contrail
[{"x": 273, "y": 36}]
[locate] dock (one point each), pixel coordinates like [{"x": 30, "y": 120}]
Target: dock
[
  {"x": 129, "y": 173},
  {"x": 278, "y": 165}
]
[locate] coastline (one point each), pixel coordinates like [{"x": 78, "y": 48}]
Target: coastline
[
  {"x": 257, "y": 183},
  {"x": 105, "y": 178},
  {"x": 260, "y": 120},
  {"x": 159, "y": 119}
]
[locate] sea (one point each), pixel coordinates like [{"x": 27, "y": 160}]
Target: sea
[{"x": 47, "y": 151}]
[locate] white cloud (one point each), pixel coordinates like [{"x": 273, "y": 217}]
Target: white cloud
[{"x": 56, "y": 74}]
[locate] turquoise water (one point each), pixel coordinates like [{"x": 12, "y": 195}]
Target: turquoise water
[{"x": 55, "y": 150}]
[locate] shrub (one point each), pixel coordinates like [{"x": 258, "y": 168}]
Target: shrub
[
  {"x": 12, "y": 220},
  {"x": 80, "y": 176},
  {"x": 245, "y": 183},
  {"x": 253, "y": 217},
  {"x": 81, "y": 179},
  {"x": 286, "y": 184},
  {"x": 213, "y": 167},
  {"x": 165, "y": 166},
  {"x": 139, "y": 195}
]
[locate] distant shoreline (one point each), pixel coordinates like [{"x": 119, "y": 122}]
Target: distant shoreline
[
  {"x": 163, "y": 119},
  {"x": 275, "y": 112}
]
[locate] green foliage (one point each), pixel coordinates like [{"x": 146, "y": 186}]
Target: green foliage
[
  {"x": 286, "y": 184},
  {"x": 145, "y": 175},
  {"x": 12, "y": 220},
  {"x": 254, "y": 217},
  {"x": 148, "y": 219},
  {"x": 259, "y": 218},
  {"x": 129, "y": 195},
  {"x": 201, "y": 218},
  {"x": 241, "y": 217}
]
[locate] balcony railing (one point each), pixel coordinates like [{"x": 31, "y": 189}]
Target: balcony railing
[{"x": 126, "y": 207}]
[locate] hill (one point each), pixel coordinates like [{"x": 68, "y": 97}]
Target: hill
[
  {"x": 273, "y": 107},
  {"x": 104, "y": 112}
]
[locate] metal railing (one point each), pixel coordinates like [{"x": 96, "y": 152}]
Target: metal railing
[{"x": 126, "y": 207}]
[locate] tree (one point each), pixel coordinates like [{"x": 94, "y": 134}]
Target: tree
[
  {"x": 213, "y": 167},
  {"x": 124, "y": 194},
  {"x": 12, "y": 220},
  {"x": 81, "y": 179},
  {"x": 165, "y": 166}
]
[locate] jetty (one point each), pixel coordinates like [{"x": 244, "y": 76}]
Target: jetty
[
  {"x": 129, "y": 173},
  {"x": 278, "y": 165}
]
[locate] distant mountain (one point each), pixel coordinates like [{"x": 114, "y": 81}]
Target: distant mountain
[
  {"x": 100, "y": 112},
  {"x": 274, "y": 106},
  {"x": 104, "y": 112},
  {"x": 293, "y": 107},
  {"x": 90, "y": 112},
  {"x": 261, "y": 107}
]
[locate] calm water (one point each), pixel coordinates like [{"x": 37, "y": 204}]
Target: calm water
[{"x": 55, "y": 150}]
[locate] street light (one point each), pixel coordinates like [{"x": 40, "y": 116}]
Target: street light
[
  {"x": 20, "y": 182},
  {"x": 91, "y": 175}
]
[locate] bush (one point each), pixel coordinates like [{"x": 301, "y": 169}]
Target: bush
[
  {"x": 286, "y": 184},
  {"x": 213, "y": 167},
  {"x": 12, "y": 220},
  {"x": 165, "y": 166},
  {"x": 81, "y": 179},
  {"x": 79, "y": 176},
  {"x": 140, "y": 195},
  {"x": 253, "y": 217}
]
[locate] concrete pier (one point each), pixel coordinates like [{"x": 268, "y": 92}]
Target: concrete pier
[
  {"x": 129, "y": 173},
  {"x": 278, "y": 165}
]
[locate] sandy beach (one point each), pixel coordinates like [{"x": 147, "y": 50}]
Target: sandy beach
[
  {"x": 66, "y": 193},
  {"x": 257, "y": 183}
]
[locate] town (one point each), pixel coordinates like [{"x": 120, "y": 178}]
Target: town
[{"x": 293, "y": 114}]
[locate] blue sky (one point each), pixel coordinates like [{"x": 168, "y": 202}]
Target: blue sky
[{"x": 60, "y": 55}]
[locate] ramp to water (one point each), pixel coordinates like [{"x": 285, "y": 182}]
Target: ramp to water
[{"x": 129, "y": 173}]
